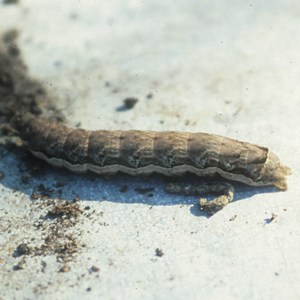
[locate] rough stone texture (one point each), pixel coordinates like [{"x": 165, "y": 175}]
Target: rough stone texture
[{"x": 228, "y": 68}]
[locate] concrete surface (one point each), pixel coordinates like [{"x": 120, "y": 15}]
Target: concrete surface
[{"x": 225, "y": 67}]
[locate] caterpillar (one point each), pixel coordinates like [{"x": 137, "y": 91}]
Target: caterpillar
[{"x": 144, "y": 152}]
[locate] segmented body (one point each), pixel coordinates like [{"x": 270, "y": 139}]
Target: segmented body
[{"x": 144, "y": 152}]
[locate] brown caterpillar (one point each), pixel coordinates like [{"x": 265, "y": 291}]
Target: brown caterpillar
[{"x": 145, "y": 152}]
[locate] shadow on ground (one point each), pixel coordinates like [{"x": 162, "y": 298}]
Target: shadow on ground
[{"x": 24, "y": 173}]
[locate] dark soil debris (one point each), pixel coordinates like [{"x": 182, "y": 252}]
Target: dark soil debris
[
  {"x": 19, "y": 92},
  {"x": 94, "y": 269},
  {"x": 65, "y": 268},
  {"x": 35, "y": 196},
  {"x": 210, "y": 209},
  {"x": 65, "y": 210},
  {"x": 20, "y": 265},
  {"x": 270, "y": 220},
  {"x": 44, "y": 265},
  {"x": 76, "y": 199},
  {"x": 56, "y": 228},
  {"x": 2, "y": 175},
  {"x": 149, "y": 96},
  {"x": 23, "y": 249},
  {"x": 159, "y": 252},
  {"x": 128, "y": 103},
  {"x": 56, "y": 232},
  {"x": 41, "y": 192},
  {"x": 233, "y": 218}
]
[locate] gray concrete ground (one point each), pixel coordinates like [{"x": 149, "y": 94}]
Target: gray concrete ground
[{"x": 224, "y": 67}]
